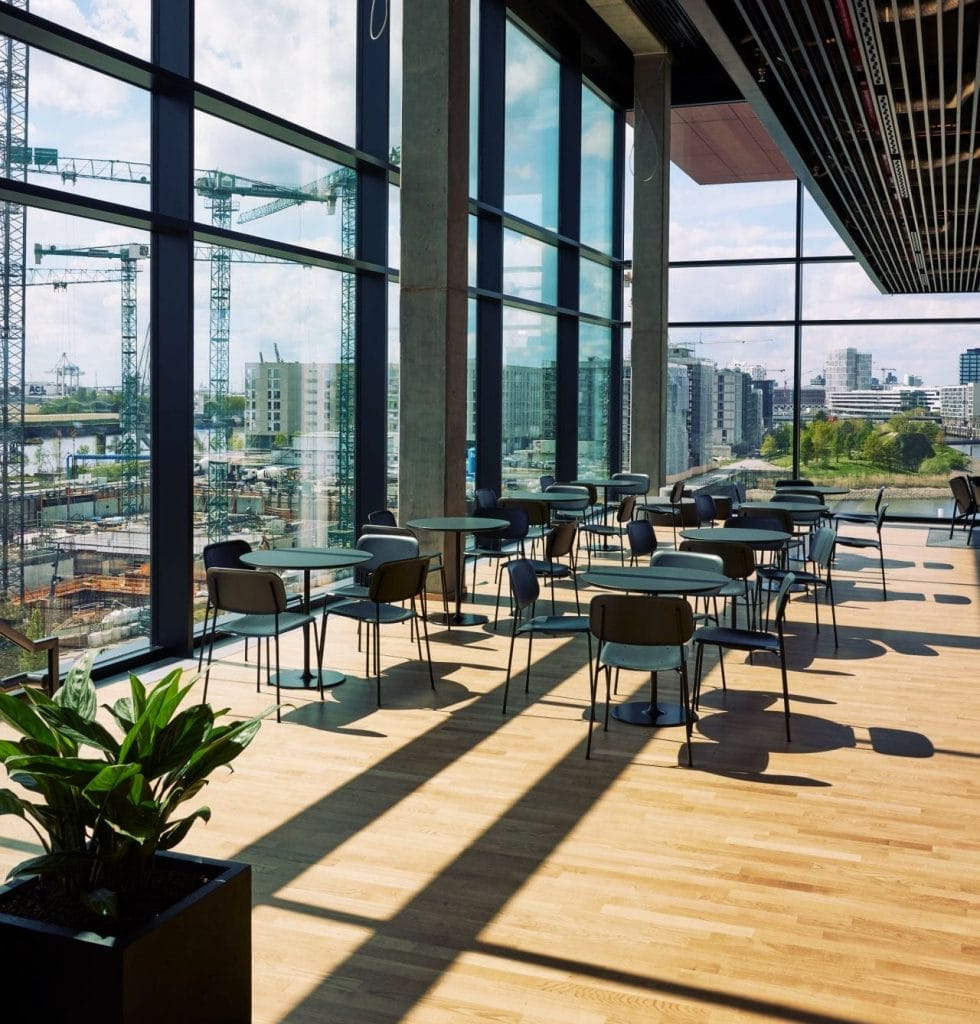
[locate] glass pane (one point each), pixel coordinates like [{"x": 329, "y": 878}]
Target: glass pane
[
  {"x": 627, "y": 384},
  {"x": 731, "y": 293},
  {"x": 628, "y": 196},
  {"x": 593, "y": 400},
  {"x": 272, "y": 190},
  {"x": 274, "y": 402},
  {"x": 394, "y": 383},
  {"x": 742, "y": 221},
  {"x": 595, "y": 288},
  {"x": 530, "y": 268},
  {"x": 124, "y": 24},
  {"x": 820, "y": 238},
  {"x": 471, "y": 440},
  {"x": 74, "y": 474},
  {"x": 528, "y": 411},
  {"x": 598, "y": 124},
  {"x": 89, "y": 133},
  {"x": 395, "y": 72},
  {"x": 295, "y": 60},
  {"x": 472, "y": 227},
  {"x": 531, "y": 132},
  {"x": 839, "y": 291},
  {"x": 880, "y": 384},
  {"x": 730, "y": 404},
  {"x": 474, "y": 96}
]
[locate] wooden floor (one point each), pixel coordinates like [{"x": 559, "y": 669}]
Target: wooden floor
[{"x": 435, "y": 862}]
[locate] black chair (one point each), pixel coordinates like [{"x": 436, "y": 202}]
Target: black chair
[
  {"x": 859, "y": 517},
  {"x": 750, "y": 641},
  {"x": 485, "y": 497},
  {"x": 643, "y": 634},
  {"x": 966, "y": 512},
  {"x": 258, "y": 599},
  {"x": 624, "y": 514},
  {"x": 222, "y": 554},
  {"x": 524, "y": 592},
  {"x": 794, "y": 483},
  {"x": 559, "y": 544},
  {"x": 667, "y": 513},
  {"x": 382, "y": 517},
  {"x": 642, "y": 539},
  {"x": 391, "y": 582},
  {"x": 872, "y": 543},
  {"x": 501, "y": 545}
]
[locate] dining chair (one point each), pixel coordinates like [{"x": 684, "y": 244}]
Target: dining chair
[
  {"x": 794, "y": 483},
  {"x": 382, "y": 517},
  {"x": 221, "y": 554},
  {"x": 576, "y": 509},
  {"x": 391, "y": 583},
  {"x": 545, "y": 481},
  {"x": 966, "y": 511},
  {"x": 820, "y": 578},
  {"x": 642, "y": 539},
  {"x": 750, "y": 641},
  {"x": 738, "y": 564},
  {"x": 524, "y": 592},
  {"x": 501, "y": 545},
  {"x": 485, "y": 497},
  {"x": 643, "y": 634},
  {"x": 667, "y": 513},
  {"x": 538, "y": 519},
  {"x": 436, "y": 563},
  {"x": 632, "y": 483},
  {"x": 860, "y": 517},
  {"x": 559, "y": 543},
  {"x": 705, "y": 606},
  {"x": 624, "y": 514},
  {"x": 869, "y": 543},
  {"x": 258, "y": 599}
]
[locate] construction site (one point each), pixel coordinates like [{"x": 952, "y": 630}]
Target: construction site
[{"x": 75, "y": 538}]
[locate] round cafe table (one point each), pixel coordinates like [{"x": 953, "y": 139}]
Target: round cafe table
[
  {"x": 307, "y": 560},
  {"x": 827, "y": 492},
  {"x": 654, "y": 580},
  {"x": 460, "y": 526},
  {"x": 548, "y": 497}
]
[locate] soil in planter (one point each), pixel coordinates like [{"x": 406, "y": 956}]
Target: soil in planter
[{"x": 40, "y": 900}]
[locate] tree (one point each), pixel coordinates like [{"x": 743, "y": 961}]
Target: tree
[
  {"x": 912, "y": 449},
  {"x": 34, "y": 630}
]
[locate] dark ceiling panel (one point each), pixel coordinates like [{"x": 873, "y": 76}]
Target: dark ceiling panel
[{"x": 877, "y": 102}]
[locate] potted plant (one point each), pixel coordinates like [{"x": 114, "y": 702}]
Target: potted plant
[{"x": 106, "y": 919}]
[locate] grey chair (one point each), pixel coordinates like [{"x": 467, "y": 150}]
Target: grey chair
[
  {"x": 221, "y": 554},
  {"x": 524, "y": 592},
  {"x": 436, "y": 564},
  {"x": 258, "y": 600},
  {"x": 750, "y": 641},
  {"x": 391, "y": 582},
  {"x": 640, "y": 634},
  {"x": 860, "y": 517}
]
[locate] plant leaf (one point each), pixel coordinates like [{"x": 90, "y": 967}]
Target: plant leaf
[
  {"x": 26, "y": 721},
  {"x": 176, "y": 742},
  {"x": 11, "y": 803},
  {"x": 78, "y": 690},
  {"x": 179, "y": 829},
  {"x": 67, "y": 722}
]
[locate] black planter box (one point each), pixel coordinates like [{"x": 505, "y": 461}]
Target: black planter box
[{"x": 191, "y": 965}]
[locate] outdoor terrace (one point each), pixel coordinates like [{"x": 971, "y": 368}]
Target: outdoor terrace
[{"x": 434, "y": 862}]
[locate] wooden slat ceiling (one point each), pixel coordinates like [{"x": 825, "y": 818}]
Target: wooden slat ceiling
[{"x": 875, "y": 106}]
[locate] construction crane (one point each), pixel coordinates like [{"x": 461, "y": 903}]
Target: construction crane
[
  {"x": 13, "y": 254},
  {"x": 129, "y": 406},
  {"x": 218, "y": 189},
  {"x": 338, "y": 186}
]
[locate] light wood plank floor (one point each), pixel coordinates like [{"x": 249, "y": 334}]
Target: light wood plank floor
[{"x": 435, "y": 862}]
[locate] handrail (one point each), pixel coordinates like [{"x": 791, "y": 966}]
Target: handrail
[{"x": 48, "y": 644}]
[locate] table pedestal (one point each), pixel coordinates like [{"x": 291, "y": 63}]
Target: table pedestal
[{"x": 642, "y": 712}]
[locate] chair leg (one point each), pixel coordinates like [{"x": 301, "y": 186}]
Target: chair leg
[
  {"x": 593, "y": 683},
  {"x": 881, "y": 559},
  {"x": 258, "y": 657},
  {"x": 527, "y": 670},
  {"x": 688, "y": 716},
  {"x": 510, "y": 661},
  {"x": 782, "y": 665},
  {"x": 207, "y": 615}
]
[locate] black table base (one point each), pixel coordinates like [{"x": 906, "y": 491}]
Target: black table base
[{"x": 642, "y": 712}]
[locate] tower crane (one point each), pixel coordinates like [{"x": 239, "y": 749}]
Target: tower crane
[
  {"x": 218, "y": 189},
  {"x": 338, "y": 186},
  {"x": 13, "y": 256},
  {"x": 129, "y": 407}
]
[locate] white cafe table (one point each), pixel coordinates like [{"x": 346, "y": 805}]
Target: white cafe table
[
  {"x": 654, "y": 580},
  {"x": 307, "y": 560}
]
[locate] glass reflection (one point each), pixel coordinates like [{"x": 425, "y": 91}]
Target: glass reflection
[
  {"x": 596, "y": 205},
  {"x": 593, "y": 400},
  {"x": 530, "y": 268}
]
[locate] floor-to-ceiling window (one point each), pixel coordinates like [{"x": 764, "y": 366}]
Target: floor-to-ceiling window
[{"x": 196, "y": 296}]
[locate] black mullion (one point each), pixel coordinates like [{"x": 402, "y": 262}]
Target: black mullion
[
  {"x": 569, "y": 225},
  {"x": 371, "y": 316},
  {"x": 172, "y": 329},
  {"x": 615, "y": 422}
]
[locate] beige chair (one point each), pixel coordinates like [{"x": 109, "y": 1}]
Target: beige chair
[{"x": 258, "y": 598}]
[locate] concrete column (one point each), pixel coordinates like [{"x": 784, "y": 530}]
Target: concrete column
[
  {"x": 433, "y": 314},
  {"x": 651, "y": 209}
]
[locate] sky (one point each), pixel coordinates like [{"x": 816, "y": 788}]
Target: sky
[{"x": 86, "y": 116}]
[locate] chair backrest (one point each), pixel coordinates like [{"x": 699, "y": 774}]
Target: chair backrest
[
  {"x": 794, "y": 483},
  {"x": 398, "y": 581},
  {"x": 573, "y": 505},
  {"x": 383, "y": 547},
  {"x": 226, "y": 554},
  {"x": 641, "y": 620},
  {"x": 792, "y": 494},
  {"x": 591, "y": 488},
  {"x": 703, "y": 562},
  {"x": 763, "y": 519},
  {"x": 881, "y": 494},
  {"x": 632, "y": 483},
  {"x": 246, "y": 591},
  {"x": 515, "y": 530},
  {"x": 822, "y": 546},
  {"x": 962, "y": 495},
  {"x": 880, "y": 520},
  {"x": 560, "y": 541},
  {"x": 704, "y": 508},
  {"x": 641, "y": 536},
  {"x": 382, "y": 517},
  {"x": 677, "y": 492},
  {"x": 544, "y": 482},
  {"x": 485, "y": 497},
  {"x": 738, "y": 560},
  {"x": 524, "y": 587},
  {"x": 537, "y": 511},
  {"x": 782, "y": 598},
  {"x": 793, "y": 498},
  {"x": 625, "y": 511}
]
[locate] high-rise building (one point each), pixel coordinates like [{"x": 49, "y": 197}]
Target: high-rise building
[
  {"x": 846, "y": 369},
  {"x": 970, "y": 366}
]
